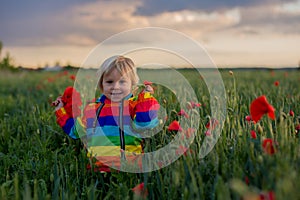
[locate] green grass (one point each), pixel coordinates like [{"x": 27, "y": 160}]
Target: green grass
[{"x": 38, "y": 161}]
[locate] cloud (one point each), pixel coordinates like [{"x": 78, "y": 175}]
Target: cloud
[
  {"x": 292, "y": 8},
  {"x": 32, "y": 22},
  {"x": 240, "y": 17},
  {"x": 13, "y": 9},
  {"x": 90, "y": 22},
  {"x": 196, "y": 21},
  {"x": 268, "y": 19},
  {"x": 154, "y": 7},
  {"x": 83, "y": 24}
]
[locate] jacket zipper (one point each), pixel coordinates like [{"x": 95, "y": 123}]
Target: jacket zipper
[{"x": 121, "y": 130}]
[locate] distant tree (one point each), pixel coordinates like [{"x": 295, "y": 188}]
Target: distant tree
[
  {"x": 57, "y": 64},
  {"x": 6, "y": 62},
  {"x": 0, "y": 48}
]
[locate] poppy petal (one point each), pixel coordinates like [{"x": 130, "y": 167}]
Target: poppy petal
[
  {"x": 175, "y": 126},
  {"x": 140, "y": 190},
  {"x": 269, "y": 146},
  {"x": 147, "y": 82},
  {"x": 259, "y": 107},
  {"x": 253, "y": 134},
  {"x": 271, "y": 112}
]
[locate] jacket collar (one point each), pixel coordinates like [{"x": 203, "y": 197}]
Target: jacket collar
[{"x": 104, "y": 99}]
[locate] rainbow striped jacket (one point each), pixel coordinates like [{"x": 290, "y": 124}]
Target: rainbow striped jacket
[{"x": 111, "y": 131}]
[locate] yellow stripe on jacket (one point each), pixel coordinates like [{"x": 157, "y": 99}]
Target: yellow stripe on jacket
[{"x": 114, "y": 150}]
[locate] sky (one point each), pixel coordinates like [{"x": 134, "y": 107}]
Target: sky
[{"x": 234, "y": 33}]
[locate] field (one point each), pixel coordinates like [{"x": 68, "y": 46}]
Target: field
[{"x": 38, "y": 161}]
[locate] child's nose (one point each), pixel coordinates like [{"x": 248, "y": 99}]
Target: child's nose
[{"x": 116, "y": 85}]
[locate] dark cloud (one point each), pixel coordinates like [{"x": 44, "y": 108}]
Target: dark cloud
[
  {"x": 15, "y": 8},
  {"x": 31, "y": 18},
  {"x": 152, "y": 7}
]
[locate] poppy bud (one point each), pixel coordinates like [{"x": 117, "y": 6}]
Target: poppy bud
[
  {"x": 260, "y": 129},
  {"x": 51, "y": 178},
  {"x": 291, "y": 113}
]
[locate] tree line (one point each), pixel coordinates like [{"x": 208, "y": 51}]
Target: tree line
[{"x": 6, "y": 62}]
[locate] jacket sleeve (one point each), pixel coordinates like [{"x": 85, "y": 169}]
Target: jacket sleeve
[
  {"x": 143, "y": 110},
  {"x": 73, "y": 127}
]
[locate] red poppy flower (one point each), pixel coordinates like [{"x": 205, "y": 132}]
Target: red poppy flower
[
  {"x": 183, "y": 113},
  {"x": 160, "y": 164},
  {"x": 248, "y": 118},
  {"x": 188, "y": 133},
  {"x": 269, "y": 146},
  {"x": 73, "y": 77},
  {"x": 50, "y": 80},
  {"x": 253, "y": 134},
  {"x": 182, "y": 150},
  {"x": 39, "y": 87},
  {"x": 207, "y": 125},
  {"x": 267, "y": 195},
  {"x": 196, "y": 104},
  {"x": 166, "y": 118},
  {"x": 291, "y": 113},
  {"x": 247, "y": 180},
  {"x": 72, "y": 101},
  {"x": 175, "y": 126},
  {"x": 192, "y": 104},
  {"x": 259, "y": 107},
  {"x": 71, "y": 96},
  {"x": 212, "y": 124},
  {"x": 297, "y": 128},
  {"x": 207, "y": 133},
  {"x": 98, "y": 167},
  {"x": 276, "y": 83},
  {"x": 140, "y": 190},
  {"x": 147, "y": 83}
]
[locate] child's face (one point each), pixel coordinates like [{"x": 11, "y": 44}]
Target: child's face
[{"x": 116, "y": 86}]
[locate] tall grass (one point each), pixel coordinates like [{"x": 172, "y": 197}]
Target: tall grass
[{"x": 38, "y": 161}]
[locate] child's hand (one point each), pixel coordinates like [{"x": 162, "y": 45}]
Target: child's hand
[
  {"x": 148, "y": 87},
  {"x": 57, "y": 103}
]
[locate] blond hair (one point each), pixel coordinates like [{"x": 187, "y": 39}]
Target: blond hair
[{"x": 123, "y": 64}]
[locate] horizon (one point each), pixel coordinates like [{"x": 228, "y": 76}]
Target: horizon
[{"x": 73, "y": 67}]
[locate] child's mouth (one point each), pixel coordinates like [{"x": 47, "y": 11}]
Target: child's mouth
[{"x": 116, "y": 93}]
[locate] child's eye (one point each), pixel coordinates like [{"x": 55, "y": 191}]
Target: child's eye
[{"x": 109, "y": 82}]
